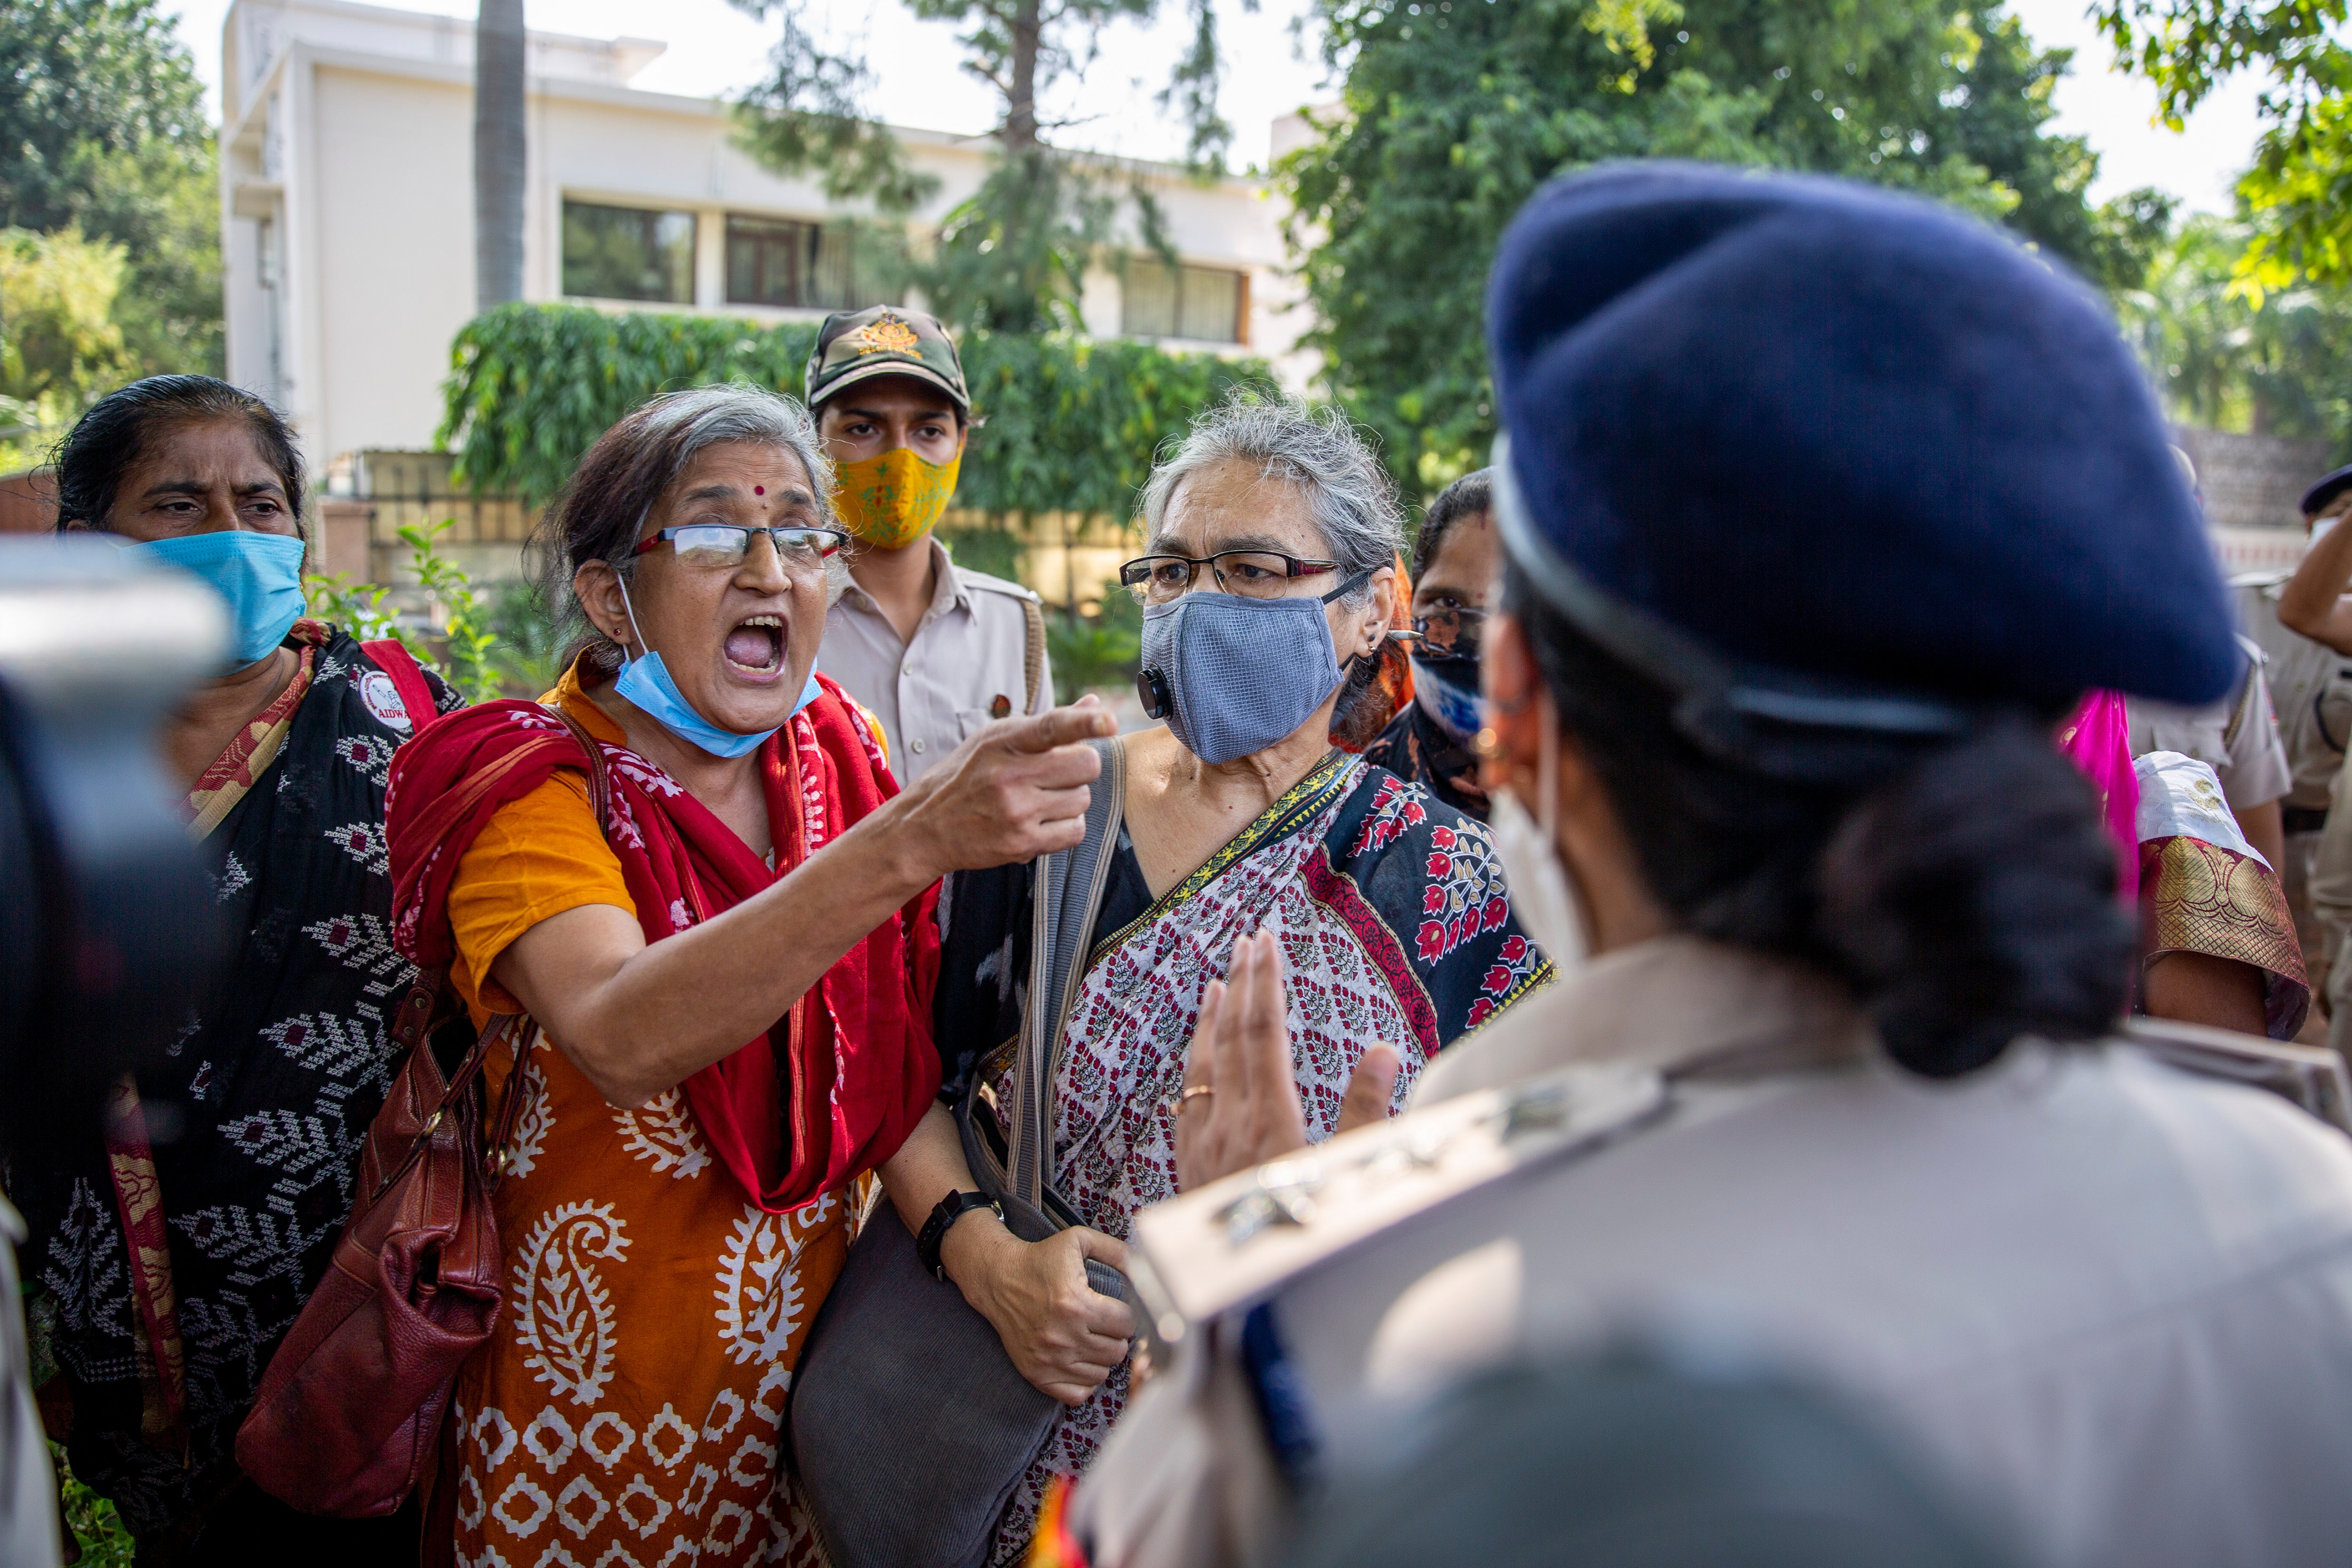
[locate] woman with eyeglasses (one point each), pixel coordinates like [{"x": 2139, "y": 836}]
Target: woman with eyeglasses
[
  {"x": 1250, "y": 844},
  {"x": 724, "y": 990},
  {"x": 1454, "y": 562}
]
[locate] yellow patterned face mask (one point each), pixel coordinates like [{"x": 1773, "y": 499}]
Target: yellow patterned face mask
[{"x": 892, "y": 499}]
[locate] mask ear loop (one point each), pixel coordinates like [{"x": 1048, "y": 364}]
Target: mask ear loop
[{"x": 630, "y": 611}]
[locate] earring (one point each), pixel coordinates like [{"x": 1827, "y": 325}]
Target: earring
[{"x": 1486, "y": 745}]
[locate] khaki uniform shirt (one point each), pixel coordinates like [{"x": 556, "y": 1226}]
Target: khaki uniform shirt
[
  {"x": 931, "y": 691},
  {"x": 2111, "y": 1300},
  {"x": 2237, "y": 737},
  {"x": 2308, "y": 692}
]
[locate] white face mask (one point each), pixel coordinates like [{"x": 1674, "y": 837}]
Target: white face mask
[
  {"x": 2321, "y": 529},
  {"x": 1541, "y": 894}
]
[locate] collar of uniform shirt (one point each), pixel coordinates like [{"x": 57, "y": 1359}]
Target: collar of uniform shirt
[
  {"x": 1668, "y": 1005},
  {"x": 947, "y": 591}
]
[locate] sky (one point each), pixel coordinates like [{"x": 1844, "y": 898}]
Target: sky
[{"x": 716, "y": 49}]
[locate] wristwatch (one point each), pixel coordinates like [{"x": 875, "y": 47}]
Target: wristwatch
[{"x": 950, "y": 1209}]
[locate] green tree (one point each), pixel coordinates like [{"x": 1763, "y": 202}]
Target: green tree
[
  {"x": 60, "y": 344},
  {"x": 103, "y": 127},
  {"x": 2299, "y": 191},
  {"x": 1011, "y": 256},
  {"x": 2282, "y": 366},
  {"x": 1454, "y": 111}
]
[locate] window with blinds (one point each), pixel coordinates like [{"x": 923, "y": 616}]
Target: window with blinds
[
  {"x": 820, "y": 267},
  {"x": 628, "y": 253},
  {"x": 1207, "y": 304}
]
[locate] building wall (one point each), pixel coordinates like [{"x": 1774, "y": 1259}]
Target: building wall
[{"x": 347, "y": 206}]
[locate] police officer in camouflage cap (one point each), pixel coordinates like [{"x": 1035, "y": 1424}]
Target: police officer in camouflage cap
[
  {"x": 935, "y": 649},
  {"x": 1820, "y": 507}
]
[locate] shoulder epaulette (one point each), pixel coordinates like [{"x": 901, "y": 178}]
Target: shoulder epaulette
[
  {"x": 972, "y": 579},
  {"x": 1234, "y": 1241}
]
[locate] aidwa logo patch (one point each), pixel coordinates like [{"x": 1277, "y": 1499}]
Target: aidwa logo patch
[{"x": 383, "y": 700}]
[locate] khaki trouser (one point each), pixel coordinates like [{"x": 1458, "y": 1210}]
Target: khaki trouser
[{"x": 2330, "y": 884}]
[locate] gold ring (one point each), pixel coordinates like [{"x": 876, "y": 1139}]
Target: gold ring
[{"x": 1197, "y": 1089}]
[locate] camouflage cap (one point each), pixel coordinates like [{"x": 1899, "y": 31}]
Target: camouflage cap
[{"x": 884, "y": 339}]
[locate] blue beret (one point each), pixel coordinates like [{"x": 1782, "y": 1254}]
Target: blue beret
[
  {"x": 1807, "y": 426},
  {"x": 2329, "y": 487}
]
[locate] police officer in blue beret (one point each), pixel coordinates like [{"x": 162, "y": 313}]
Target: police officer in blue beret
[{"x": 1820, "y": 506}]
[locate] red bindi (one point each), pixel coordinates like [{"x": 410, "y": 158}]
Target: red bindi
[{"x": 758, "y": 490}]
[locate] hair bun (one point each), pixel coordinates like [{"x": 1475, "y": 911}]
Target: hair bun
[{"x": 1973, "y": 899}]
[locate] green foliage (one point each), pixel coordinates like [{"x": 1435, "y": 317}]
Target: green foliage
[
  {"x": 2279, "y": 367},
  {"x": 60, "y": 344},
  {"x": 1102, "y": 649},
  {"x": 1014, "y": 255},
  {"x": 1010, "y": 258},
  {"x": 529, "y": 659},
  {"x": 467, "y": 640},
  {"x": 484, "y": 650},
  {"x": 1455, "y": 112},
  {"x": 103, "y": 126},
  {"x": 106, "y": 1541},
  {"x": 2300, "y": 189},
  {"x": 358, "y": 609},
  {"x": 1072, "y": 424}
]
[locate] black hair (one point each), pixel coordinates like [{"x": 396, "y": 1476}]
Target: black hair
[
  {"x": 1967, "y": 897},
  {"x": 119, "y": 428},
  {"x": 1472, "y": 495}
]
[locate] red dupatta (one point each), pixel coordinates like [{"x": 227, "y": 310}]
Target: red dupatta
[{"x": 834, "y": 1087}]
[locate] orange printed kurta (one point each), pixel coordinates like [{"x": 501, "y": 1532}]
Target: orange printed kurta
[{"x": 628, "y": 1409}]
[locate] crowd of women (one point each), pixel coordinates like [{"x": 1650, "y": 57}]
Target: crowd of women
[{"x": 1803, "y": 577}]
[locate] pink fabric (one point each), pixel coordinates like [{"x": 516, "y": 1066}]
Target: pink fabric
[{"x": 2096, "y": 738}]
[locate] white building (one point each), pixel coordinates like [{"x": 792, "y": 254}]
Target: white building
[{"x": 347, "y": 216}]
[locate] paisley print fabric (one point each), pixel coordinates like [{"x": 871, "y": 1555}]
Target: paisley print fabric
[
  {"x": 627, "y": 1410},
  {"x": 1394, "y": 929}
]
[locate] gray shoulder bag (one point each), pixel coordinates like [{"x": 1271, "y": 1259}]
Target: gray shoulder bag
[{"x": 909, "y": 1426}]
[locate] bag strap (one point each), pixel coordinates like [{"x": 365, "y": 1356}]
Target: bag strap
[
  {"x": 1066, "y": 896},
  {"x": 1033, "y": 651},
  {"x": 600, "y": 779},
  {"x": 390, "y": 655},
  {"x": 413, "y": 1021}
]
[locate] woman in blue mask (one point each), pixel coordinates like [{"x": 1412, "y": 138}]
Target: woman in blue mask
[
  {"x": 724, "y": 991},
  {"x": 165, "y": 1312},
  {"x": 1267, "y": 585},
  {"x": 1455, "y": 563}
]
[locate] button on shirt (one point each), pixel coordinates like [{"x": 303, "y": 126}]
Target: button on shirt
[{"x": 935, "y": 689}]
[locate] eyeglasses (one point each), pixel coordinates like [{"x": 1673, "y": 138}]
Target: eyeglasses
[
  {"x": 1251, "y": 574},
  {"x": 719, "y": 544},
  {"x": 1448, "y": 631}
]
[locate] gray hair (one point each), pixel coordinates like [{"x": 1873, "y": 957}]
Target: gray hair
[
  {"x": 605, "y": 507},
  {"x": 1352, "y": 499}
]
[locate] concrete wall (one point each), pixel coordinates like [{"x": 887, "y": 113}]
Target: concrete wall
[{"x": 2253, "y": 481}]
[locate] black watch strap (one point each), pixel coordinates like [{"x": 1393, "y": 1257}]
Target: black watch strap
[{"x": 949, "y": 1210}]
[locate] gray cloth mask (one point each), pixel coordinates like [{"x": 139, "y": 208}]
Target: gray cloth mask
[{"x": 1232, "y": 675}]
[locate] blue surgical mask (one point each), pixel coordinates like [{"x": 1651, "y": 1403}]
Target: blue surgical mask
[
  {"x": 646, "y": 682},
  {"x": 1232, "y": 675},
  {"x": 1447, "y": 690},
  {"x": 260, "y": 575}
]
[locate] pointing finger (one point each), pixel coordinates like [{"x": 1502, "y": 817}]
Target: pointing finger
[{"x": 1060, "y": 727}]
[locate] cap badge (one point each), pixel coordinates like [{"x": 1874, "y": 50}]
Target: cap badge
[{"x": 884, "y": 334}]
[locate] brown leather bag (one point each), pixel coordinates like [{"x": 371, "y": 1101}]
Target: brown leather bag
[{"x": 348, "y": 1415}]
